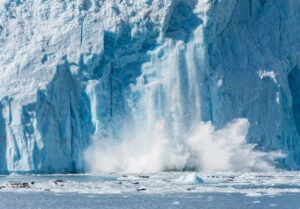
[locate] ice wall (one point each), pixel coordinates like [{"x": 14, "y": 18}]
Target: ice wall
[
  {"x": 253, "y": 54},
  {"x": 76, "y": 71}
]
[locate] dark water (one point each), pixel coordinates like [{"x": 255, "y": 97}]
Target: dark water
[{"x": 49, "y": 200}]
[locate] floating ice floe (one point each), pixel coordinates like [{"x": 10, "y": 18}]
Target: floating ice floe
[{"x": 249, "y": 184}]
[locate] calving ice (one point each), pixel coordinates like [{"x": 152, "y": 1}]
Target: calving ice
[{"x": 149, "y": 85}]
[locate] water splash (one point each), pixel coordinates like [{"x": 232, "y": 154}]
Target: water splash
[
  {"x": 206, "y": 149},
  {"x": 166, "y": 131}
]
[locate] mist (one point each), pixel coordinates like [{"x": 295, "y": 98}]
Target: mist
[{"x": 204, "y": 149}]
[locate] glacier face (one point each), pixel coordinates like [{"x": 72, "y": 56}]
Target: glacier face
[
  {"x": 255, "y": 53},
  {"x": 73, "y": 71}
]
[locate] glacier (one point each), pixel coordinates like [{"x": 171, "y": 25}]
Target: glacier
[{"x": 73, "y": 72}]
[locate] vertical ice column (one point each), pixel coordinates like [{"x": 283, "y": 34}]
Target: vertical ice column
[{"x": 170, "y": 86}]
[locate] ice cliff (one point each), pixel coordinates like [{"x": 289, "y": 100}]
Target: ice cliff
[{"x": 72, "y": 71}]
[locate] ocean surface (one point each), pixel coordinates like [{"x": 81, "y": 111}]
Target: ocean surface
[{"x": 160, "y": 190}]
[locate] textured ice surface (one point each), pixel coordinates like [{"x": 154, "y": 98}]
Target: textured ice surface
[{"x": 76, "y": 71}]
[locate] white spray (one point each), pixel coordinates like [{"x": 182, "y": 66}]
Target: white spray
[{"x": 166, "y": 132}]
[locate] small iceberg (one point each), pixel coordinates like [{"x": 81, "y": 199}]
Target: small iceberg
[{"x": 189, "y": 179}]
